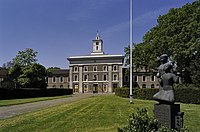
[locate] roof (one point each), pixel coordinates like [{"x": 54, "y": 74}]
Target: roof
[
  {"x": 3, "y": 72},
  {"x": 59, "y": 72}
]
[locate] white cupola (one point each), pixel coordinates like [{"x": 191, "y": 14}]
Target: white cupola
[{"x": 97, "y": 45}]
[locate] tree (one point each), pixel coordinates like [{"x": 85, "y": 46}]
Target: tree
[
  {"x": 176, "y": 34},
  {"x": 26, "y": 57},
  {"x": 8, "y": 65},
  {"x": 25, "y": 72},
  {"x": 33, "y": 76}
]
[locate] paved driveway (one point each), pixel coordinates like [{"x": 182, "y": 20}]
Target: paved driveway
[{"x": 10, "y": 111}]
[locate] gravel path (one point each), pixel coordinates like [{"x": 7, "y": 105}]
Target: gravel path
[{"x": 10, "y": 111}]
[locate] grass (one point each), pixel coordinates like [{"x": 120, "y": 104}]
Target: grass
[
  {"x": 103, "y": 113},
  {"x": 28, "y": 100}
]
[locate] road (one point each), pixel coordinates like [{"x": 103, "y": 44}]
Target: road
[{"x": 10, "y": 111}]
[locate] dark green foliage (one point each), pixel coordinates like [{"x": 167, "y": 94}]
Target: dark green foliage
[
  {"x": 145, "y": 93},
  {"x": 26, "y": 57},
  {"x": 122, "y": 92},
  {"x": 7, "y": 84},
  {"x": 25, "y": 72},
  {"x": 187, "y": 95},
  {"x": 182, "y": 94},
  {"x": 138, "y": 93},
  {"x": 140, "y": 122},
  {"x": 176, "y": 34},
  {"x": 32, "y": 93},
  {"x": 30, "y": 76}
]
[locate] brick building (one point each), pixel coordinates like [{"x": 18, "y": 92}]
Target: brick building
[{"x": 96, "y": 72}]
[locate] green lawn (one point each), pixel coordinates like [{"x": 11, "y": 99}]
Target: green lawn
[
  {"x": 28, "y": 100},
  {"x": 100, "y": 113}
]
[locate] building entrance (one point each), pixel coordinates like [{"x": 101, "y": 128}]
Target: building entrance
[{"x": 95, "y": 88}]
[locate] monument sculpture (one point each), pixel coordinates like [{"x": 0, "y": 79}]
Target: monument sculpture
[
  {"x": 166, "y": 79},
  {"x": 166, "y": 112}
]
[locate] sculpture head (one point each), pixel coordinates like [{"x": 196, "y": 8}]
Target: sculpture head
[{"x": 163, "y": 58}]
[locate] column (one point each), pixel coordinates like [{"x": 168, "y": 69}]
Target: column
[
  {"x": 80, "y": 79},
  {"x": 110, "y": 78},
  {"x": 70, "y": 77}
]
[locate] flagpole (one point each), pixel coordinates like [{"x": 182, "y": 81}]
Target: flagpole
[{"x": 131, "y": 44}]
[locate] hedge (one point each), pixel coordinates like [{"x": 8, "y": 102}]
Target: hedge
[
  {"x": 184, "y": 95},
  {"x": 32, "y": 93}
]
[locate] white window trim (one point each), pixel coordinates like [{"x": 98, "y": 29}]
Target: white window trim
[
  {"x": 116, "y": 67},
  {"x": 74, "y": 78},
  {"x": 96, "y": 76},
  {"x": 117, "y": 79},
  {"x": 84, "y": 77},
  {"x": 145, "y": 79},
  {"x": 154, "y": 78},
  {"x": 85, "y": 67},
  {"x": 105, "y": 87},
  {"x": 75, "y": 68},
  {"x": 94, "y": 68},
  {"x": 86, "y": 88},
  {"x": 105, "y": 67},
  {"x": 145, "y": 85},
  {"x": 62, "y": 79},
  {"x": 103, "y": 77},
  {"x": 53, "y": 79}
]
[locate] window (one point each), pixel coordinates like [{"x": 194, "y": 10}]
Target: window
[
  {"x": 143, "y": 85},
  {"x": 85, "y": 78},
  {"x": 54, "y": 79},
  {"x": 85, "y": 68},
  {"x": 136, "y": 78},
  {"x": 152, "y": 78},
  {"x": 76, "y": 69},
  {"x": 152, "y": 86},
  {"x": 104, "y": 77},
  {"x": 95, "y": 77},
  {"x": 144, "y": 78},
  {"x": 115, "y": 68},
  {"x": 75, "y": 77},
  {"x": 61, "y": 79},
  {"x": 85, "y": 88},
  {"x": 94, "y": 68},
  {"x": 115, "y": 78},
  {"x": 104, "y": 68},
  {"x": 105, "y": 88}
]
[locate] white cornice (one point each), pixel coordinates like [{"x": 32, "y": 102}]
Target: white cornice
[{"x": 94, "y": 56}]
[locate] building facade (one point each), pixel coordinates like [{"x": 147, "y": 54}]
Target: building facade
[
  {"x": 96, "y": 72},
  {"x": 58, "y": 78},
  {"x": 3, "y": 75},
  {"x": 142, "y": 78}
]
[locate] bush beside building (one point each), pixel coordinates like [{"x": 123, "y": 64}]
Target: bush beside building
[{"x": 184, "y": 95}]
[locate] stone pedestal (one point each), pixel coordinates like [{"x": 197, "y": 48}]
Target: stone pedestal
[{"x": 166, "y": 114}]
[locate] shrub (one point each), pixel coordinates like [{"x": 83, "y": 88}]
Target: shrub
[
  {"x": 32, "y": 93},
  {"x": 182, "y": 94},
  {"x": 140, "y": 122}
]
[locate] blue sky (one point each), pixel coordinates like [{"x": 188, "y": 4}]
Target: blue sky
[{"x": 58, "y": 29}]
